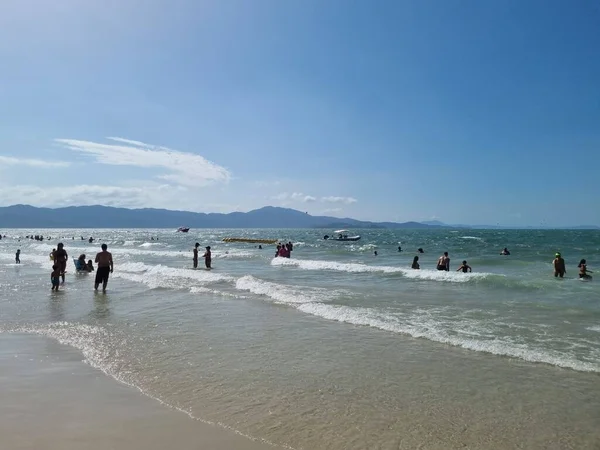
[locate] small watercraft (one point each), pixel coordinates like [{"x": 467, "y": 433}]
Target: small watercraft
[{"x": 342, "y": 235}]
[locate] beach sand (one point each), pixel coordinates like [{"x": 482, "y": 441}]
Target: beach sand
[{"x": 51, "y": 399}]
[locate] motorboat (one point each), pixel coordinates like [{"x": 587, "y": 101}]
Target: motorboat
[
  {"x": 183, "y": 229},
  {"x": 341, "y": 235}
]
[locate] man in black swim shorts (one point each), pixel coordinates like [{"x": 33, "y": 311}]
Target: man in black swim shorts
[{"x": 105, "y": 266}]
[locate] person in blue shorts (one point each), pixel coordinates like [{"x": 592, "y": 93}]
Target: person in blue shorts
[{"x": 55, "y": 277}]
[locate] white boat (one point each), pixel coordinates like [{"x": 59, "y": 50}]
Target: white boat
[{"x": 342, "y": 235}]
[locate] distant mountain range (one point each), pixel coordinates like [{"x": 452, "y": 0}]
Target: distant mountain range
[{"x": 24, "y": 216}]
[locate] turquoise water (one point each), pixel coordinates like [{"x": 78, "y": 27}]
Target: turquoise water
[{"x": 245, "y": 344}]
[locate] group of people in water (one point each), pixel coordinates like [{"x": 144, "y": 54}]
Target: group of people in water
[
  {"x": 207, "y": 256},
  {"x": 443, "y": 264},
  {"x": 60, "y": 257},
  {"x": 284, "y": 250},
  {"x": 560, "y": 268}
]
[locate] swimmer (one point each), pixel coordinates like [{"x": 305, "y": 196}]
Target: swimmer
[
  {"x": 505, "y": 251},
  {"x": 375, "y": 252},
  {"x": 583, "y": 272},
  {"x": 415, "y": 263},
  {"x": 420, "y": 250},
  {"x": 465, "y": 267},
  {"x": 443, "y": 262},
  {"x": 399, "y": 248},
  {"x": 90, "y": 266},
  {"x": 559, "y": 266}
]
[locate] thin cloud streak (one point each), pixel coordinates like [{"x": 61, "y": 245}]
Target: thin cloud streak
[
  {"x": 186, "y": 169},
  {"x": 344, "y": 200},
  {"x": 11, "y": 161}
]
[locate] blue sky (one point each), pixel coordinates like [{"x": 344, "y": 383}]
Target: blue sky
[{"x": 462, "y": 111}]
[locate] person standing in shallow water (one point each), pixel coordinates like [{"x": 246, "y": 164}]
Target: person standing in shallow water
[
  {"x": 559, "y": 266},
  {"x": 443, "y": 262},
  {"x": 105, "y": 267},
  {"x": 18, "y": 257},
  {"x": 196, "y": 255},
  {"x": 60, "y": 259},
  {"x": 583, "y": 271},
  {"x": 207, "y": 258},
  {"x": 415, "y": 263}
]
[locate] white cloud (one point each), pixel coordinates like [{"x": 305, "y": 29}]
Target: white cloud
[
  {"x": 299, "y": 196},
  {"x": 186, "y": 169},
  {"x": 10, "y": 161},
  {"x": 295, "y": 196},
  {"x": 344, "y": 200}
]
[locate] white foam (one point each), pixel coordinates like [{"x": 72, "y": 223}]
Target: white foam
[
  {"x": 472, "y": 237},
  {"x": 594, "y": 328},
  {"x": 149, "y": 244},
  {"x": 90, "y": 341},
  {"x": 281, "y": 293},
  {"x": 429, "y": 328},
  {"x": 424, "y": 274},
  {"x": 160, "y": 276}
]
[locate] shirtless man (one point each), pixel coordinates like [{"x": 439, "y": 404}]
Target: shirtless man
[
  {"x": 105, "y": 266},
  {"x": 60, "y": 259},
  {"x": 443, "y": 262},
  {"x": 196, "y": 255},
  {"x": 559, "y": 266}
]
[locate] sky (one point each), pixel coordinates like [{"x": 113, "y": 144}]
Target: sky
[{"x": 476, "y": 112}]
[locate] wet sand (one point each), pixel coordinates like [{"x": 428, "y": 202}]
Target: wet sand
[{"x": 50, "y": 399}]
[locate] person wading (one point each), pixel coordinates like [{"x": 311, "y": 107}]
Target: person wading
[{"x": 105, "y": 267}]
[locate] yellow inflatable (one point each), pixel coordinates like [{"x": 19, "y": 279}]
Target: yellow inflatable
[{"x": 251, "y": 241}]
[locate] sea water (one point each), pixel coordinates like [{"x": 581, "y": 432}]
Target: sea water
[{"x": 335, "y": 347}]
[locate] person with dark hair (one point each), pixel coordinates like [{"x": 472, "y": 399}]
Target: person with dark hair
[
  {"x": 464, "y": 268},
  {"x": 196, "y": 245},
  {"x": 105, "y": 267},
  {"x": 18, "y": 257},
  {"x": 55, "y": 277},
  {"x": 583, "y": 272},
  {"x": 207, "y": 258},
  {"x": 505, "y": 252},
  {"x": 420, "y": 250},
  {"x": 60, "y": 259},
  {"x": 443, "y": 262},
  {"x": 415, "y": 263}
]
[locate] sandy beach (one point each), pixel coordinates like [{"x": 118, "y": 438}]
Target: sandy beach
[{"x": 51, "y": 399}]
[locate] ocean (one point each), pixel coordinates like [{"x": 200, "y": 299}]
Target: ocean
[{"x": 336, "y": 347}]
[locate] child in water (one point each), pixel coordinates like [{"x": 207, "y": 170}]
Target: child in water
[
  {"x": 465, "y": 267},
  {"x": 55, "y": 277},
  {"x": 415, "y": 264},
  {"x": 583, "y": 272}
]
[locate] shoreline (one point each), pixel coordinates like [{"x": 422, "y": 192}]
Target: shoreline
[{"x": 51, "y": 399}]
